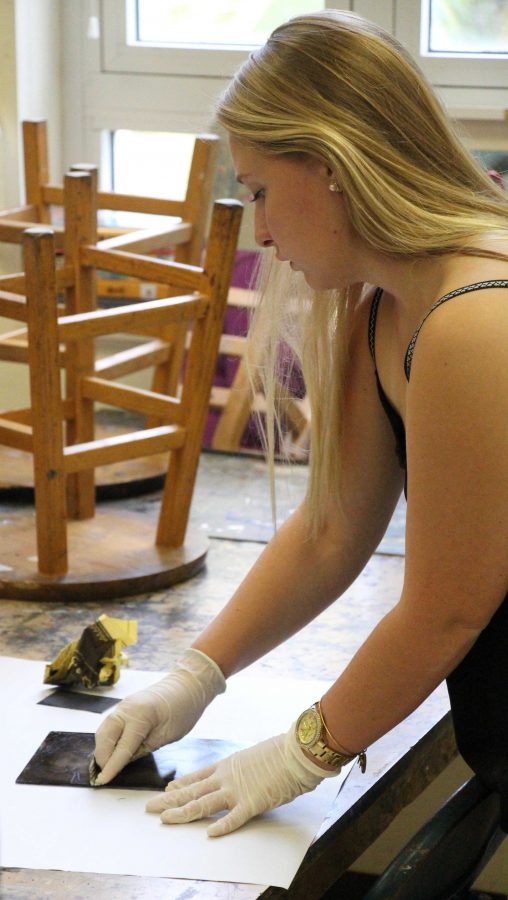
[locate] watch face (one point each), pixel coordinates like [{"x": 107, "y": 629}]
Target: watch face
[{"x": 309, "y": 728}]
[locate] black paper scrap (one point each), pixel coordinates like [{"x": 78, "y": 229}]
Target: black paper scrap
[
  {"x": 63, "y": 759},
  {"x": 68, "y": 699}
]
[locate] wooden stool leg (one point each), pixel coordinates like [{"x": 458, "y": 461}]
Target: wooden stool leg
[
  {"x": 200, "y": 366},
  {"x": 35, "y": 147},
  {"x": 198, "y": 197},
  {"x": 80, "y": 228},
  {"x": 197, "y": 206},
  {"x": 43, "y": 352}
]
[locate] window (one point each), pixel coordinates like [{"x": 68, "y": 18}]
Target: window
[
  {"x": 467, "y": 26},
  {"x": 168, "y": 172},
  {"x": 459, "y": 43},
  {"x": 200, "y": 22},
  {"x": 157, "y": 66},
  {"x": 192, "y": 36}
]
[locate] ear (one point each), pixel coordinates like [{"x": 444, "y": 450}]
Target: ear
[
  {"x": 321, "y": 168},
  {"x": 324, "y": 170}
]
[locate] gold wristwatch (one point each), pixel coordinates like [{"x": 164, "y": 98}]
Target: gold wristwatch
[{"x": 311, "y": 733}]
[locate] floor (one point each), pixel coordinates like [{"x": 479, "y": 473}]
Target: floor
[{"x": 231, "y": 506}]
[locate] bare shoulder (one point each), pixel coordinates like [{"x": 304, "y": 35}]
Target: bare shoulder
[
  {"x": 465, "y": 341},
  {"x": 485, "y": 307}
]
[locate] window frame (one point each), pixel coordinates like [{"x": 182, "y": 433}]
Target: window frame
[
  {"x": 108, "y": 87},
  {"x": 446, "y": 69},
  {"x": 120, "y": 52}
]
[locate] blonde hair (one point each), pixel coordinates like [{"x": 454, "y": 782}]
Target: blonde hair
[{"x": 339, "y": 88}]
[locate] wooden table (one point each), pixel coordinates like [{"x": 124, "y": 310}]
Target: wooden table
[{"x": 399, "y": 767}]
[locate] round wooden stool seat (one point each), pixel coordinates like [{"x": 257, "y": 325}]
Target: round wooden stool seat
[{"x": 112, "y": 555}]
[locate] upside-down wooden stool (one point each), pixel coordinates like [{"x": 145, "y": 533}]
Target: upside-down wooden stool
[
  {"x": 244, "y": 397},
  {"x": 75, "y": 552},
  {"x": 183, "y": 224}
]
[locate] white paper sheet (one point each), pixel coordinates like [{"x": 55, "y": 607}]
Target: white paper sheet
[{"x": 107, "y": 830}]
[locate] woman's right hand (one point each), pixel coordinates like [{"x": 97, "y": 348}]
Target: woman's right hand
[{"x": 158, "y": 715}]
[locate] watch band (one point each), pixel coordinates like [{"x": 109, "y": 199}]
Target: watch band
[
  {"x": 325, "y": 754},
  {"x": 311, "y": 733}
]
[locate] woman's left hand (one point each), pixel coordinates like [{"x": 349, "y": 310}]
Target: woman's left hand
[{"x": 247, "y": 783}]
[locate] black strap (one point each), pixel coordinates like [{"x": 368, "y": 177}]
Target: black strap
[
  {"x": 372, "y": 321},
  {"x": 478, "y": 286},
  {"x": 469, "y": 288}
]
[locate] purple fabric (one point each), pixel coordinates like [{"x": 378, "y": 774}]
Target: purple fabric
[
  {"x": 236, "y": 322},
  {"x": 243, "y": 270}
]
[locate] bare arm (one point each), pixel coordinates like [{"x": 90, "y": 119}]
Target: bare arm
[
  {"x": 456, "y": 540},
  {"x": 291, "y": 583},
  {"x": 456, "y": 571},
  {"x": 456, "y": 575},
  {"x": 457, "y": 532},
  {"x": 295, "y": 577}
]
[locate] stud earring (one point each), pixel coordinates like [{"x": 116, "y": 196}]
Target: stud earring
[{"x": 335, "y": 187}]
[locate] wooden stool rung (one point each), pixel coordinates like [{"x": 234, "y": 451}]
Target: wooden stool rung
[
  {"x": 103, "y": 452},
  {"x": 125, "y": 362},
  {"x": 16, "y": 435},
  {"x": 132, "y": 398}
]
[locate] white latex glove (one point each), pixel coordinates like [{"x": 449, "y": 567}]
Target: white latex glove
[
  {"x": 247, "y": 783},
  {"x": 158, "y": 715}
]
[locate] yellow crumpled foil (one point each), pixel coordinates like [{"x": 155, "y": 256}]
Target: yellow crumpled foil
[{"x": 95, "y": 658}]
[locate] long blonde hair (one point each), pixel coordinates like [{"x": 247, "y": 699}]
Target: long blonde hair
[{"x": 339, "y": 88}]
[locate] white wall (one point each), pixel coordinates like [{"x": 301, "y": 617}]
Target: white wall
[
  {"x": 30, "y": 88},
  {"x": 39, "y": 70},
  {"x": 9, "y": 144}
]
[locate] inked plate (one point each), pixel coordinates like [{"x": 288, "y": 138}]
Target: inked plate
[{"x": 64, "y": 758}]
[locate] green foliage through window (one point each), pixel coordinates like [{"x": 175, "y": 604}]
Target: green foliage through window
[
  {"x": 209, "y": 22},
  {"x": 469, "y": 26}
]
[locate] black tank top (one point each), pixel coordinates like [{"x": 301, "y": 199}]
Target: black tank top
[{"x": 478, "y": 687}]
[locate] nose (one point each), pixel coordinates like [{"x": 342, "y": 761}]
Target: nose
[{"x": 261, "y": 234}]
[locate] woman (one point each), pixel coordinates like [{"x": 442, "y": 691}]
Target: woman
[{"x": 365, "y": 195}]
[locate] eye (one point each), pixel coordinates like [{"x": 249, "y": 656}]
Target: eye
[{"x": 259, "y": 194}]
